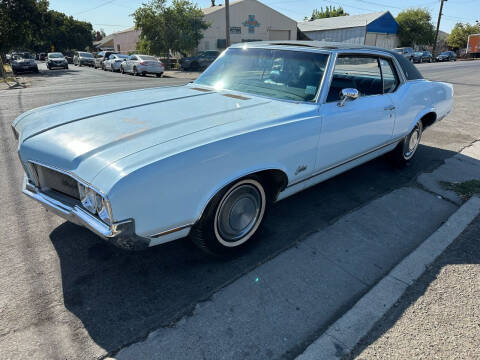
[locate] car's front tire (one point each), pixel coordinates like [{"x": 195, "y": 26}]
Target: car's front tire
[
  {"x": 231, "y": 218},
  {"x": 407, "y": 148}
]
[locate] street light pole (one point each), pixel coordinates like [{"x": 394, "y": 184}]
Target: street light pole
[
  {"x": 438, "y": 28},
  {"x": 227, "y": 22}
]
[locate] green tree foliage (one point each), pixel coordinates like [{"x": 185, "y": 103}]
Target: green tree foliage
[
  {"x": 30, "y": 25},
  {"x": 459, "y": 36},
  {"x": 177, "y": 27},
  {"x": 330, "y": 11},
  {"x": 415, "y": 27}
]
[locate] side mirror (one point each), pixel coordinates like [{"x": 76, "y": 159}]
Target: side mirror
[{"x": 348, "y": 93}]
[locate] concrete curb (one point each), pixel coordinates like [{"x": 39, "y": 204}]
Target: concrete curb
[{"x": 342, "y": 336}]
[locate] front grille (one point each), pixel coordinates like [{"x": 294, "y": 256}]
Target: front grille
[{"x": 49, "y": 179}]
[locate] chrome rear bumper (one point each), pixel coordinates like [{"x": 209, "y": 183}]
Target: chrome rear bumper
[{"x": 121, "y": 234}]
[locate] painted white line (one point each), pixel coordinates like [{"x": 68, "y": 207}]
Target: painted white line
[{"x": 342, "y": 336}]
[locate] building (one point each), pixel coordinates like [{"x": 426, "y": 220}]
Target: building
[
  {"x": 250, "y": 20},
  {"x": 123, "y": 42},
  {"x": 374, "y": 29}
]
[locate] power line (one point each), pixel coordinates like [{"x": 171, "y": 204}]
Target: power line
[{"x": 94, "y": 8}]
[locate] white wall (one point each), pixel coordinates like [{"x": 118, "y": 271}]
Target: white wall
[
  {"x": 354, "y": 35},
  {"x": 386, "y": 41},
  {"x": 268, "y": 18}
]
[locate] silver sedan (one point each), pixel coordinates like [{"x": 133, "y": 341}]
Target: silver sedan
[
  {"x": 142, "y": 65},
  {"x": 114, "y": 61}
]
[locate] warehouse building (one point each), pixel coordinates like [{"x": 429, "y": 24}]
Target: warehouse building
[
  {"x": 374, "y": 29},
  {"x": 250, "y": 20}
]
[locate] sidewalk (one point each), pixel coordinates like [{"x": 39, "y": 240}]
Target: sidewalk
[
  {"x": 282, "y": 306},
  {"x": 192, "y": 75},
  {"x": 438, "y": 317}
]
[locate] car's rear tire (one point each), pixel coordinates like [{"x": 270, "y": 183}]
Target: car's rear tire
[
  {"x": 231, "y": 218},
  {"x": 122, "y": 70},
  {"x": 407, "y": 148},
  {"x": 135, "y": 73},
  {"x": 159, "y": 75}
]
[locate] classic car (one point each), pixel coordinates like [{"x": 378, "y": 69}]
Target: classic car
[{"x": 264, "y": 121}]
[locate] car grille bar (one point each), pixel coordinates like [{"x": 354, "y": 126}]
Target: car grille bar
[{"x": 49, "y": 179}]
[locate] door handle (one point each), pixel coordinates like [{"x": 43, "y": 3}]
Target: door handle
[{"x": 389, "y": 107}]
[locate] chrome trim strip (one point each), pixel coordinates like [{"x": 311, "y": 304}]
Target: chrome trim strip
[
  {"x": 345, "y": 162},
  {"x": 121, "y": 234},
  {"x": 170, "y": 231}
]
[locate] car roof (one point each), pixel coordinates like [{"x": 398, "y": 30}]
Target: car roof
[{"x": 409, "y": 70}]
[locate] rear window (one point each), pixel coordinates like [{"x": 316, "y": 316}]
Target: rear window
[{"x": 409, "y": 70}]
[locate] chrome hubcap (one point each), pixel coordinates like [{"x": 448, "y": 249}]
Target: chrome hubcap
[
  {"x": 413, "y": 141},
  {"x": 239, "y": 212}
]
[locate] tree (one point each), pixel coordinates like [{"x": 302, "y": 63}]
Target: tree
[
  {"x": 98, "y": 35},
  {"x": 176, "y": 28},
  {"x": 415, "y": 27},
  {"x": 330, "y": 11},
  {"x": 459, "y": 36},
  {"x": 30, "y": 25},
  {"x": 20, "y": 21}
]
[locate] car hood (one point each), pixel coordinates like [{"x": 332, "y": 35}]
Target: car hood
[{"x": 86, "y": 135}]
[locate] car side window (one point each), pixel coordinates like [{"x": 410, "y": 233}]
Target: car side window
[
  {"x": 358, "y": 72},
  {"x": 133, "y": 58},
  {"x": 389, "y": 76}
]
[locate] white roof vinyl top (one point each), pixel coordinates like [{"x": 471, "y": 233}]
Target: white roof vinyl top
[{"x": 340, "y": 22}]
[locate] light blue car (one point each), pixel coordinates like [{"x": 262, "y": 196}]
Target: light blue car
[{"x": 264, "y": 121}]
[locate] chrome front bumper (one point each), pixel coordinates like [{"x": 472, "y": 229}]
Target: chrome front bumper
[{"x": 121, "y": 234}]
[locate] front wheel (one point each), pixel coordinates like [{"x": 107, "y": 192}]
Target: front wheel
[
  {"x": 231, "y": 218},
  {"x": 407, "y": 148}
]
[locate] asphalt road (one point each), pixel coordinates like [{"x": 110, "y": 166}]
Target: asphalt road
[{"x": 64, "y": 293}]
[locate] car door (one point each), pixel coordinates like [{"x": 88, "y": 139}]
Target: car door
[{"x": 361, "y": 125}]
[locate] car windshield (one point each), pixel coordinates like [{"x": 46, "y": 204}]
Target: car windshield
[
  {"x": 85, "y": 54},
  {"x": 122, "y": 56},
  {"x": 419, "y": 53},
  {"x": 400, "y": 51},
  {"x": 282, "y": 74},
  {"x": 445, "y": 53},
  {"x": 148, "y": 58},
  {"x": 55, "y": 55}
]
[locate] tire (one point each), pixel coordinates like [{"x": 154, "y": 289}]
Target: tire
[
  {"x": 135, "y": 73},
  {"x": 66, "y": 67},
  {"x": 232, "y": 218},
  {"x": 406, "y": 149},
  {"x": 159, "y": 75},
  {"x": 122, "y": 70}
]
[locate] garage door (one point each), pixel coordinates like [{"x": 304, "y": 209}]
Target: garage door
[{"x": 279, "y": 34}]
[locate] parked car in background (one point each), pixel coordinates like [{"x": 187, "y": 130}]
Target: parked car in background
[
  {"x": 69, "y": 56},
  {"x": 138, "y": 64},
  {"x": 83, "y": 58},
  {"x": 447, "y": 56},
  {"x": 23, "y": 62},
  {"x": 200, "y": 61},
  {"x": 42, "y": 56},
  {"x": 405, "y": 51},
  {"x": 263, "y": 122},
  {"x": 114, "y": 61},
  {"x": 8, "y": 57},
  {"x": 101, "y": 57},
  {"x": 422, "y": 56},
  {"x": 56, "y": 60}
]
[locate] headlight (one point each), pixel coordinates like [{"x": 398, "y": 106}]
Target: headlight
[
  {"x": 94, "y": 203},
  {"x": 87, "y": 197},
  {"x": 102, "y": 209}
]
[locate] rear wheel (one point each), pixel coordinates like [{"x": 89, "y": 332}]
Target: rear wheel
[
  {"x": 135, "y": 73},
  {"x": 407, "y": 148},
  {"x": 122, "y": 70},
  {"x": 231, "y": 218},
  {"x": 159, "y": 75}
]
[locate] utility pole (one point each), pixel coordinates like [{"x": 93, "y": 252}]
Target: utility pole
[
  {"x": 227, "y": 22},
  {"x": 438, "y": 28}
]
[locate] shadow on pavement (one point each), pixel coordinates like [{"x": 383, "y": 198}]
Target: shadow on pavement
[
  {"x": 121, "y": 296},
  {"x": 434, "y": 314}
]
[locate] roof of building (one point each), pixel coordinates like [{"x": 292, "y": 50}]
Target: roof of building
[
  {"x": 212, "y": 9},
  {"x": 341, "y": 22}
]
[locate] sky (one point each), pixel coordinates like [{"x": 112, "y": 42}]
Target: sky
[{"x": 114, "y": 15}]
